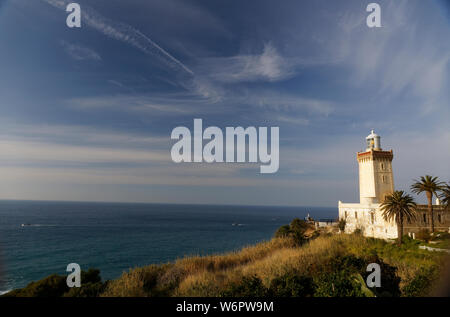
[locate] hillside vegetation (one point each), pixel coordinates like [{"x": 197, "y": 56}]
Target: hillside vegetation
[
  {"x": 296, "y": 262},
  {"x": 333, "y": 265}
]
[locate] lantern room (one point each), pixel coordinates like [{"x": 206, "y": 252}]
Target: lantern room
[{"x": 373, "y": 142}]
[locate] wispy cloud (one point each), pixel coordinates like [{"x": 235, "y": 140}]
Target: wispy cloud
[
  {"x": 391, "y": 59},
  {"x": 79, "y": 135},
  {"x": 283, "y": 107},
  {"x": 119, "y": 84},
  {"x": 267, "y": 66},
  {"x": 165, "y": 104},
  {"x": 293, "y": 120},
  {"x": 124, "y": 33},
  {"x": 79, "y": 52},
  {"x": 50, "y": 152},
  {"x": 278, "y": 101}
]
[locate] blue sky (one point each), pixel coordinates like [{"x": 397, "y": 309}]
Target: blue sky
[{"x": 86, "y": 114}]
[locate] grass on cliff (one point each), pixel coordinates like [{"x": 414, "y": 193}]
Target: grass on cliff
[{"x": 280, "y": 267}]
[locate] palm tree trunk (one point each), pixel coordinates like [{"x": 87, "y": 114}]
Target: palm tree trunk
[
  {"x": 400, "y": 229},
  {"x": 430, "y": 209}
]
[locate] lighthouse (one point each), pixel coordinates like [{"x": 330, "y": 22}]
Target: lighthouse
[{"x": 376, "y": 179}]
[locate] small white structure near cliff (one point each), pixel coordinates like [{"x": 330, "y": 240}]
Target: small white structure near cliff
[{"x": 376, "y": 181}]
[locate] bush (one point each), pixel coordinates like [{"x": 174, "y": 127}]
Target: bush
[
  {"x": 296, "y": 229},
  {"x": 283, "y": 231},
  {"x": 292, "y": 285},
  {"x": 299, "y": 225},
  {"x": 51, "y": 286},
  {"x": 390, "y": 282},
  {"x": 248, "y": 287},
  {"x": 344, "y": 276},
  {"x": 337, "y": 276},
  {"x": 338, "y": 284},
  {"x": 421, "y": 284},
  {"x": 55, "y": 286},
  {"x": 91, "y": 285},
  {"x": 341, "y": 225}
]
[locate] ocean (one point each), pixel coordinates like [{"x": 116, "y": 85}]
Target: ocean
[{"x": 115, "y": 237}]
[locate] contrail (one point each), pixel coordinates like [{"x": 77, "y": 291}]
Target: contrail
[{"x": 125, "y": 33}]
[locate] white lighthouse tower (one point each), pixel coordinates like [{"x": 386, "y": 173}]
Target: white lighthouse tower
[{"x": 376, "y": 179}]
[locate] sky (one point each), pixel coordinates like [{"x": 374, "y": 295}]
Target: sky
[{"x": 86, "y": 113}]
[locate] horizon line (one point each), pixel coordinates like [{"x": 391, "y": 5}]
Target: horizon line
[{"x": 160, "y": 203}]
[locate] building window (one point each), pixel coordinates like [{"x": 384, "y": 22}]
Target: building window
[
  {"x": 425, "y": 218},
  {"x": 372, "y": 218},
  {"x": 356, "y": 215},
  {"x": 346, "y": 214},
  {"x": 384, "y": 179},
  {"x": 382, "y": 166},
  {"x": 439, "y": 218}
]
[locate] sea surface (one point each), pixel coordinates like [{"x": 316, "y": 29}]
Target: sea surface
[{"x": 115, "y": 237}]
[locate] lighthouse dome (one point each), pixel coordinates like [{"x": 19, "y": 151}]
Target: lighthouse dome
[
  {"x": 373, "y": 141},
  {"x": 372, "y": 135}
]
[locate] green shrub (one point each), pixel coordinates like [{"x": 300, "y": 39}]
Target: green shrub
[
  {"x": 91, "y": 285},
  {"x": 292, "y": 285},
  {"x": 421, "y": 284},
  {"x": 51, "y": 286},
  {"x": 344, "y": 276},
  {"x": 299, "y": 225},
  {"x": 296, "y": 229},
  {"x": 55, "y": 286},
  {"x": 390, "y": 281},
  {"x": 91, "y": 276},
  {"x": 337, "y": 284},
  {"x": 336, "y": 277},
  {"x": 283, "y": 231}
]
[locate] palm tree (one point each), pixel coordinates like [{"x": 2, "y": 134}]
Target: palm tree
[
  {"x": 445, "y": 195},
  {"x": 430, "y": 185},
  {"x": 399, "y": 207}
]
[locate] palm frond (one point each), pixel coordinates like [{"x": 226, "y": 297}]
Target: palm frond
[
  {"x": 427, "y": 183},
  {"x": 397, "y": 205},
  {"x": 445, "y": 195}
]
